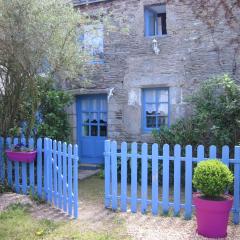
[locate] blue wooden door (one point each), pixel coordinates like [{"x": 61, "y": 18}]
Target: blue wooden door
[{"x": 91, "y": 127}]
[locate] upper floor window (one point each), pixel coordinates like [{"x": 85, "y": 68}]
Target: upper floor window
[
  {"x": 155, "y": 103},
  {"x": 92, "y": 42},
  {"x": 155, "y": 20}
]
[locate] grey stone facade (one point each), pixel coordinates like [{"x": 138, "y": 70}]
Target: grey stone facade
[{"x": 188, "y": 55}]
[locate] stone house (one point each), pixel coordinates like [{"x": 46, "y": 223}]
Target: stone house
[{"x": 140, "y": 79}]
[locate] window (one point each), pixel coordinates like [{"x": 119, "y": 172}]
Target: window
[
  {"x": 92, "y": 42},
  {"x": 155, "y": 20},
  {"x": 155, "y": 108}
]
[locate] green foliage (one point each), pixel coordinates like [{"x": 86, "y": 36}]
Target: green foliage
[
  {"x": 54, "y": 122},
  {"x": 34, "y": 197},
  {"x": 215, "y": 118},
  {"x": 212, "y": 178},
  {"x": 4, "y": 187},
  {"x": 38, "y": 38}
]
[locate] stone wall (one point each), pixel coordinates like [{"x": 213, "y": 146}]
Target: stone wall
[{"x": 188, "y": 55}]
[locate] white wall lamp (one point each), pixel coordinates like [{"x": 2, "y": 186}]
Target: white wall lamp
[
  {"x": 155, "y": 46},
  {"x": 110, "y": 94}
]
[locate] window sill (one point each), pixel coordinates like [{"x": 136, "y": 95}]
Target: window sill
[
  {"x": 157, "y": 36},
  {"x": 96, "y": 62}
]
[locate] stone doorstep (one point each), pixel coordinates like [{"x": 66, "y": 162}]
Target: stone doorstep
[{"x": 83, "y": 174}]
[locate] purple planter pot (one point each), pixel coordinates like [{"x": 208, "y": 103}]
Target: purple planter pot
[
  {"x": 212, "y": 216},
  {"x": 26, "y": 157}
]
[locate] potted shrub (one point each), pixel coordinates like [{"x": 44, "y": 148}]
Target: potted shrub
[
  {"x": 21, "y": 153},
  {"x": 212, "y": 178}
]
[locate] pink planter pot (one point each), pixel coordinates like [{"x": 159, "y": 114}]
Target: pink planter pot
[
  {"x": 212, "y": 216},
  {"x": 26, "y": 157}
]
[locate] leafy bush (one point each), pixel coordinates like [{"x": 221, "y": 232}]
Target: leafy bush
[
  {"x": 215, "y": 119},
  {"x": 212, "y": 178},
  {"x": 53, "y": 119}
]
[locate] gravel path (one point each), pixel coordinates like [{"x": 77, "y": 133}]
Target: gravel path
[{"x": 93, "y": 216}]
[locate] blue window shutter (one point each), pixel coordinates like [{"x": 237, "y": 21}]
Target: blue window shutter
[
  {"x": 150, "y": 22},
  {"x": 146, "y": 17},
  {"x": 156, "y": 24}
]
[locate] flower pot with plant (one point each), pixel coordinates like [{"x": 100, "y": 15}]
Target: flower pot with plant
[
  {"x": 21, "y": 153},
  {"x": 212, "y": 178}
]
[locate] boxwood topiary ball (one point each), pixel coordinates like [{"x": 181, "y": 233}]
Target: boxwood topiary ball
[{"x": 212, "y": 178}]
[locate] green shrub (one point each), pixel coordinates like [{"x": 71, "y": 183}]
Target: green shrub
[
  {"x": 215, "y": 118},
  {"x": 54, "y": 119},
  {"x": 212, "y": 178}
]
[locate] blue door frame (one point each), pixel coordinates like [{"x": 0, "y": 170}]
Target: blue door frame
[{"x": 91, "y": 127}]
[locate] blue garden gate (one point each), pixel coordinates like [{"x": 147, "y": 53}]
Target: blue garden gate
[
  {"x": 52, "y": 177},
  {"x": 160, "y": 197}
]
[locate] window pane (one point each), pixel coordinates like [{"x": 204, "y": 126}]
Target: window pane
[
  {"x": 103, "y": 131},
  {"x": 103, "y": 105},
  {"x": 85, "y": 131},
  {"x": 85, "y": 117},
  {"x": 103, "y": 118},
  {"x": 162, "y": 121},
  {"x": 94, "y": 105},
  {"x": 94, "y": 130},
  {"x": 150, "y": 96},
  {"x": 151, "y": 122},
  {"x": 163, "y": 96},
  {"x": 94, "y": 118},
  {"x": 150, "y": 109},
  {"x": 84, "y": 105},
  {"x": 163, "y": 109}
]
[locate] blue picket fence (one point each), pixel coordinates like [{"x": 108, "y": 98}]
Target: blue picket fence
[
  {"x": 52, "y": 177},
  {"x": 178, "y": 197}
]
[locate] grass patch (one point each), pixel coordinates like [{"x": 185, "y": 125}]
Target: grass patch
[{"x": 16, "y": 223}]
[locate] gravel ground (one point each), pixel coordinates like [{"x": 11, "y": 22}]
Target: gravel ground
[{"x": 93, "y": 216}]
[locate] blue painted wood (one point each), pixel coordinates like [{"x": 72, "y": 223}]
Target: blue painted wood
[
  {"x": 92, "y": 117},
  {"x": 236, "y": 202},
  {"x": 114, "y": 175},
  {"x": 31, "y": 169},
  {"x": 65, "y": 176},
  {"x": 16, "y": 171},
  {"x": 75, "y": 181},
  {"x": 144, "y": 189},
  {"x": 59, "y": 174},
  {"x": 154, "y": 179},
  {"x": 2, "y": 164},
  {"x": 55, "y": 173},
  {"x": 155, "y": 103},
  {"x": 134, "y": 177},
  {"x": 200, "y": 153},
  {"x": 107, "y": 172},
  {"x": 24, "y": 172},
  {"x": 213, "y": 152},
  {"x": 188, "y": 182},
  {"x": 70, "y": 180},
  {"x": 9, "y": 163},
  {"x": 46, "y": 172},
  {"x": 165, "y": 198},
  {"x": 177, "y": 179},
  {"x": 50, "y": 171},
  {"x": 39, "y": 167},
  {"x": 150, "y": 20},
  {"x": 225, "y": 155},
  {"x": 124, "y": 177}
]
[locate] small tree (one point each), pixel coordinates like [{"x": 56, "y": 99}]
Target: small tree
[
  {"x": 36, "y": 37},
  {"x": 215, "y": 118}
]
